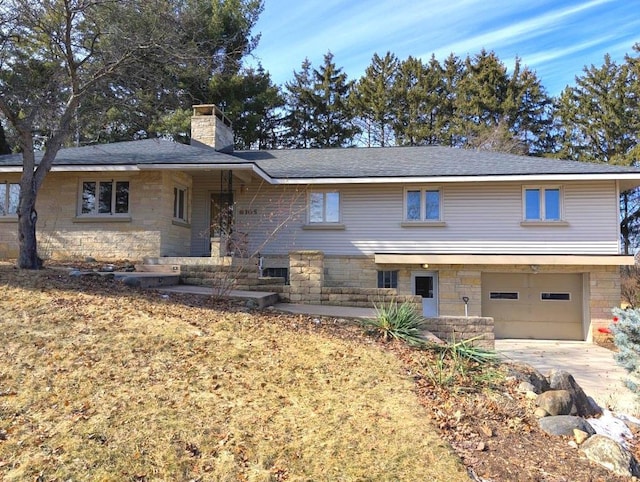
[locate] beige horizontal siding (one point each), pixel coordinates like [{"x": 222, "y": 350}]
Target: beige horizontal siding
[{"x": 479, "y": 218}]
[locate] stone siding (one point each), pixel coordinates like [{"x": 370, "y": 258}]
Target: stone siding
[
  {"x": 148, "y": 231},
  {"x": 458, "y": 328}
]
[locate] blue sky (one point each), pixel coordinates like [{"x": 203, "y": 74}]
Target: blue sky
[{"x": 556, "y": 38}]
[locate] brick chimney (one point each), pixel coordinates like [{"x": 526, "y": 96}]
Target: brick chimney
[{"x": 211, "y": 128}]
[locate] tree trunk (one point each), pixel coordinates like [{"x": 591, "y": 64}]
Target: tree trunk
[{"x": 27, "y": 218}]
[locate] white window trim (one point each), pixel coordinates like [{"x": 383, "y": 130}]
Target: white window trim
[
  {"x": 5, "y": 201},
  {"x": 176, "y": 189},
  {"x": 422, "y": 221},
  {"x": 324, "y": 222},
  {"x": 112, "y": 214},
  {"x": 542, "y": 188}
]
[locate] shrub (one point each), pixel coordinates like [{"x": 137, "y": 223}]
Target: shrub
[
  {"x": 401, "y": 322},
  {"x": 626, "y": 336}
]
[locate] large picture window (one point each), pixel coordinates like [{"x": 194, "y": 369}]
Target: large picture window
[
  {"x": 422, "y": 205},
  {"x": 9, "y": 197},
  {"x": 324, "y": 207},
  {"x": 100, "y": 198},
  {"x": 542, "y": 203}
]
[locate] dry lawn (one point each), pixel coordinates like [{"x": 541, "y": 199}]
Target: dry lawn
[{"x": 99, "y": 382}]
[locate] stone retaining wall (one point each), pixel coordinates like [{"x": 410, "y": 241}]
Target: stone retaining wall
[{"x": 457, "y": 328}]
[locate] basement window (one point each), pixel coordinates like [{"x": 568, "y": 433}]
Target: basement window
[
  {"x": 388, "y": 279},
  {"x": 276, "y": 273}
]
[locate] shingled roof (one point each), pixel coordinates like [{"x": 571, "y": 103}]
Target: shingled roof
[
  {"x": 415, "y": 161},
  {"x": 348, "y": 163}
]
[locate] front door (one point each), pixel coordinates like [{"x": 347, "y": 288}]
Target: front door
[
  {"x": 426, "y": 286},
  {"x": 221, "y": 220},
  {"x": 221, "y": 223}
]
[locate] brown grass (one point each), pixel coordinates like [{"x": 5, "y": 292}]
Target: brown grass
[{"x": 101, "y": 383}]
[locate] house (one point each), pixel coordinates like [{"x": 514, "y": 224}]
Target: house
[{"x": 531, "y": 242}]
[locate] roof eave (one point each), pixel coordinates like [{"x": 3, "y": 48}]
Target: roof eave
[{"x": 632, "y": 176}]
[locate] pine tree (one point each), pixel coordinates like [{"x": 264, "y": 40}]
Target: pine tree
[
  {"x": 626, "y": 336},
  {"x": 333, "y": 119},
  {"x": 373, "y": 99},
  {"x": 600, "y": 122},
  {"x": 298, "y": 121}
]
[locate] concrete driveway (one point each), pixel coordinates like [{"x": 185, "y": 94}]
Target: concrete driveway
[{"x": 592, "y": 366}]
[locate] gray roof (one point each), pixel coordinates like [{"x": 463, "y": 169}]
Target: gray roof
[
  {"x": 147, "y": 151},
  {"x": 417, "y": 161},
  {"x": 423, "y": 161}
]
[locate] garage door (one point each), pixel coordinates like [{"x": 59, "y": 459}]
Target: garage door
[{"x": 540, "y": 306}]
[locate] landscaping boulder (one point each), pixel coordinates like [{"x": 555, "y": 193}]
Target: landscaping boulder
[
  {"x": 583, "y": 406},
  {"x": 132, "y": 281},
  {"x": 528, "y": 374},
  {"x": 555, "y": 402},
  {"x": 611, "y": 455},
  {"x": 564, "y": 425}
]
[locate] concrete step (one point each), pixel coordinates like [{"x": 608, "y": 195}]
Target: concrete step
[
  {"x": 258, "y": 299},
  {"x": 148, "y": 280},
  {"x": 158, "y": 268}
]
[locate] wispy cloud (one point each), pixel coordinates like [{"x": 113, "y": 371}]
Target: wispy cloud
[{"x": 556, "y": 37}]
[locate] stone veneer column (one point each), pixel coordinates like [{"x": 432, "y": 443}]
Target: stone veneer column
[{"x": 306, "y": 276}]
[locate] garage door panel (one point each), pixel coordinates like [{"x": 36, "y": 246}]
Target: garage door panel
[
  {"x": 537, "y": 330},
  {"x": 555, "y": 315}
]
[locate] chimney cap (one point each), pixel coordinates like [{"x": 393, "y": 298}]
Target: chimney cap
[{"x": 211, "y": 109}]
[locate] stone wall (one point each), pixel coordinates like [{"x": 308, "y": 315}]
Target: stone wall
[
  {"x": 458, "y": 328},
  {"x": 306, "y": 276},
  {"x": 149, "y": 230}
]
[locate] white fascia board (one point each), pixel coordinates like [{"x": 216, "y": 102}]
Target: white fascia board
[
  {"x": 452, "y": 179},
  {"x": 92, "y": 168},
  {"x": 209, "y": 167}
]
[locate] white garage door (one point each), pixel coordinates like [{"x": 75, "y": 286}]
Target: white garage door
[{"x": 540, "y": 306}]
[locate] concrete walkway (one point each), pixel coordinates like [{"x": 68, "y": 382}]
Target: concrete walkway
[{"x": 591, "y": 365}]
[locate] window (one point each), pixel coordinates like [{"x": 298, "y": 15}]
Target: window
[
  {"x": 542, "y": 204},
  {"x": 555, "y": 296},
  {"x": 9, "y": 196},
  {"x": 180, "y": 204},
  {"x": 387, "y": 279},
  {"x": 324, "y": 207},
  {"x": 104, "y": 198},
  {"x": 277, "y": 273},
  {"x": 503, "y": 295},
  {"x": 422, "y": 205}
]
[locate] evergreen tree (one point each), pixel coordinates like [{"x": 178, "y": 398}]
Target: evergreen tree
[
  {"x": 298, "y": 120},
  {"x": 251, "y": 102},
  {"x": 411, "y": 101},
  {"x": 332, "y": 115},
  {"x": 600, "y": 122},
  {"x": 373, "y": 99}
]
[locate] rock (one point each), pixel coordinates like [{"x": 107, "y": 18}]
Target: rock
[
  {"x": 611, "y": 455},
  {"x": 108, "y": 268},
  {"x": 76, "y": 273},
  {"x": 580, "y": 436},
  {"x": 564, "y": 425},
  {"x": 481, "y": 447},
  {"x": 531, "y": 396},
  {"x": 583, "y": 406},
  {"x": 526, "y": 373},
  {"x": 525, "y": 387},
  {"x": 132, "y": 281},
  {"x": 555, "y": 402},
  {"x": 572, "y": 444},
  {"x": 90, "y": 259},
  {"x": 540, "y": 413}
]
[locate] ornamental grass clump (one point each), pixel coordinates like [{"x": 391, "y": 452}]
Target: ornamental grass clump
[
  {"x": 398, "y": 321},
  {"x": 626, "y": 336}
]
